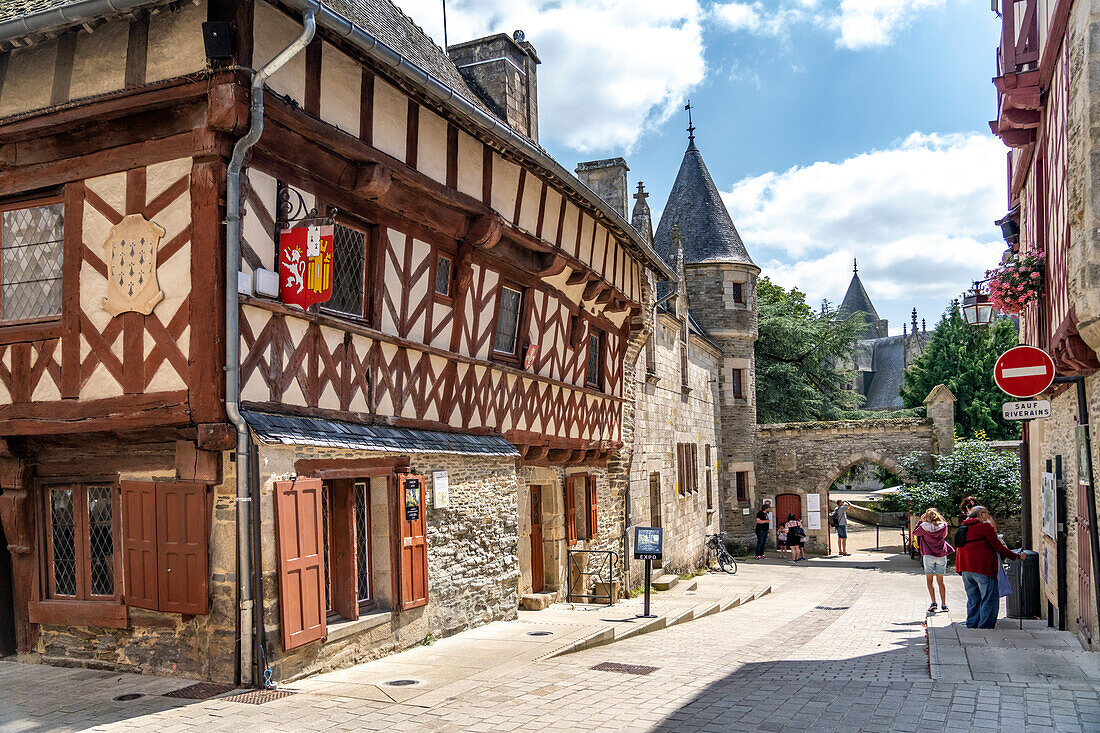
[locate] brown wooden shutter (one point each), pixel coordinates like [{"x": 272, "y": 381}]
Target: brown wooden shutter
[
  {"x": 139, "y": 543},
  {"x": 182, "y": 549},
  {"x": 694, "y": 467},
  {"x": 414, "y": 540},
  {"x": 301, "y": 561},
  {"x": 570, "y": 510},
  {"x": 591, "y": 494},
  {"x": 342, "y": 571}
]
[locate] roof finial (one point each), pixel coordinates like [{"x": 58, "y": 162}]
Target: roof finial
[
  {"x": 691, "y": 127},
  {"x": 855, "y": 266},
  {"x": 642, "y": 193}
]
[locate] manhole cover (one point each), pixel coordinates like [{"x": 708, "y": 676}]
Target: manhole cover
[
  {"x": 259, "y": 697},
  {"x": 540, "y": 633},
  {"x": 402, "y": 683},
  {"x": 625, "y": 668},
  {"x": 200, "y": 691},
  {"x": 129, "y": 696}
]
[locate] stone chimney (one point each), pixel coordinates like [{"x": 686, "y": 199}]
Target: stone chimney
[
  {"x": 607, "y": 179},
  {"x": 501, "y": 70}
]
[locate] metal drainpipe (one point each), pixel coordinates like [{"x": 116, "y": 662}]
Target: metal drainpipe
[{"x": 232, "y": 336}]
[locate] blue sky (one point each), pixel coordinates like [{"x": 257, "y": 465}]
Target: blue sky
[{"x": 833, "y": 128}]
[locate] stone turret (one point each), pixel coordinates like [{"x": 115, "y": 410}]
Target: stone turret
[{"x": 640, "y": 218}]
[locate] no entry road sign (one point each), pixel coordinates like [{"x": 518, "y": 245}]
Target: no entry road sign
[{"x": 1024, "y": 371}]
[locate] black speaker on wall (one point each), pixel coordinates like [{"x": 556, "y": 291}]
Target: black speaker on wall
[{"x": 218, "y": 40}]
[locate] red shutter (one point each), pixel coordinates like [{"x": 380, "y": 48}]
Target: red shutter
[
  {"x": 591, "y": 493},
  {"x": 414, "y": 540},
  {"x": 139, "y": 543},
  {"x": 182, "y": 549},
  {"x": 301, "y": 561},
  {"x": 570, "y": 510}
]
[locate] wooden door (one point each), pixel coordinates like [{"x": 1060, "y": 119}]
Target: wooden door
[
  {"x": 7, "y": 595},
  {"x": 786, "y": 504},
  {"x": 414, "y": 540},
  {"x": 537, "y": 570},
  {"x": 1084, "y": 564}
]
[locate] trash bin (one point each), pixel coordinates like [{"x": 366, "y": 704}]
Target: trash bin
[{"x": 1023, "y": 575}]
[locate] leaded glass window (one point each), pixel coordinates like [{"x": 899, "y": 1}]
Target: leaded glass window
[
  {"x": 81, "y": 526},
  {"x": 63, "y": 528},
  {"x": 362, "y": 540},
  {"x": 348, "y": 261},
  {"x": 443, "y": 276},
  {"x": 31, "y": 249},
  {"x": 101, "y": 542},
  {"x": 325, "y": 511},
  {"x": 508, "y": 321},
  {"x": 594, "y": 371}
]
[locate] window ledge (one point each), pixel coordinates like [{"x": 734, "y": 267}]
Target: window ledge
[
  {"x": 652, "y": 377},
  {"x": 366, "y": 622},
  {"x": 711, "y": 511},
  {"x": 106, "y": 614}
]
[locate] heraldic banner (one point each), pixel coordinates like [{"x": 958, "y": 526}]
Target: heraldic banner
[{"x": 305, "y": 263}]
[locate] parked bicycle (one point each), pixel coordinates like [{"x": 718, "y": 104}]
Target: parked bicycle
[{"x": 726, "y": 561}]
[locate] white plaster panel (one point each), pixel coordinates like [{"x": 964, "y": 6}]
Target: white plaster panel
[
  {"x": 600, "y": 253},
  {"x": 551, "y": 210},
  {"x": 529, "y": 211},
  {"x": 505, "y": 187},
  {"x": 471, "y": 164},
  {"x": 431, "y": 151},
  {"x": 99, "y": 60},
  {"x": 391, "y": 119},
  {"x": 45, "y": 390},
  {"x": 588, "y": 227},
  {"x": 392, "y": 276},
  {"x": 274, "y": 31},
  {"x": 259, "y": 237},
  {"x": 341, "y": 89},
  {"x": 166, "y": 379},
  {"x": 100, "y": 385},
  {"x": 175, "y": 43},
  {"x": 418, "y": 290},
  {"x": 28, "y": 81},
  {"x": 569, "y": 229},
  {"x": 440, "y": 311}
]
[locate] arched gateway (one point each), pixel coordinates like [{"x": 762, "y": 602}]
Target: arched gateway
[{"x": 805, "y": 458}]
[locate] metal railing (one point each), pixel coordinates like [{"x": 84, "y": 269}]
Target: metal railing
[{"x": 600, "y": 568}]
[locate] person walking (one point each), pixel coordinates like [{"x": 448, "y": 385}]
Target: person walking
[
  {"x": 763, "y": 524},
  {"x": 840, "y": 517},
  {"x": 976, "y": 559},
  {"x": 796, "y": 538},
  {"x": 931, "y": 534}
]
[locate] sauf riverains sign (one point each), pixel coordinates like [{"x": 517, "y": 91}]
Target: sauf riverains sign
[{"x": 305, "y": 265}]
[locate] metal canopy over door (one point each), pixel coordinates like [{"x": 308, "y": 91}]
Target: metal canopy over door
[{"x": 537, "y": 570}]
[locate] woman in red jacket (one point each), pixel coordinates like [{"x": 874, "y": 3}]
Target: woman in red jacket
[{"x": 977, "y": 561}]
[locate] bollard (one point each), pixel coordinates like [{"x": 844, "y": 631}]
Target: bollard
[{"x": 877, "y": 546}]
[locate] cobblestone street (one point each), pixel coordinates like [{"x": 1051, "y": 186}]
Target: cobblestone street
[{"x": 838, "y": 645}]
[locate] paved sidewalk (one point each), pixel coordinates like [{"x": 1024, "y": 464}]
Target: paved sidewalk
[{"x": 839, "y": 645}]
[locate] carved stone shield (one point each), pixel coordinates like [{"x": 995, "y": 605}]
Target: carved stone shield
[{"x": 131, "y": 249}]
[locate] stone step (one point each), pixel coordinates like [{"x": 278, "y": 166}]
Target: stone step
[
  {"x": 680, "y": 617},
  {"x": 665, "y": 582},
  {"x": 536, "y": 601}
]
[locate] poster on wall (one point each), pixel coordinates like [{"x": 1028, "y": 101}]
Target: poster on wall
[
  {"x": 1050, "y": 514},
  {"x": 412, "y": 499},
  {"x": 441, "y": 490},
  {"x": 813, "y": 519},
  {"x": 813, "y": 502}
]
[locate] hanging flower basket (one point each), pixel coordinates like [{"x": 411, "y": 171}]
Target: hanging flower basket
[{"x": 1017, "y": 283}]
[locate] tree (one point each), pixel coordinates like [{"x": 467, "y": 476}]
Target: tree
[
  {"x": 975, "y": 468},
  {"x": 796, "y": 351},
  {"x": 962, "y": 357}
]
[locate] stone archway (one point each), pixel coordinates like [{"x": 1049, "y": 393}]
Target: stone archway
[{"x": 805, "y": 458}]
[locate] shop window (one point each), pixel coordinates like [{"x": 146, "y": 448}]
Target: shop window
[
  {"x": 443, "y": 269},
  {"x": 81, "y": 540},
  {"x": 738, "y": 384},
  {"x": 32, "y": 239},
  {"x": 742, "y": 480},
  {"x": 165, "y": 545},
  {"x": 506, "y": 338},
  {"x": 349, "y": 259},
  {"x": 594, "y": 372}
]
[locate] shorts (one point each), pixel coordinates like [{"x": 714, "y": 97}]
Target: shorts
[
  {"x": 780, "y": 541},
  {"x": 934, "y": 565},
  {"x": 842, "y": 531}
]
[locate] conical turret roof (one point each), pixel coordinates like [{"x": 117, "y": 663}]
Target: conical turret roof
[
  {"x": 856, "y": 300},
  {"x": 694, "y": 205}
]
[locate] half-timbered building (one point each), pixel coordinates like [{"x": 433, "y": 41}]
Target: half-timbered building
[
  {"x": 1044, "y": 98},
  {"x": 425, "y": 342}
]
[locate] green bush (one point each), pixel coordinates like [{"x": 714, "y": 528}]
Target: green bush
[{"x": 975, "y": 469}]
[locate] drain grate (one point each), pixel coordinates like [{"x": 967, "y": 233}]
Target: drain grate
[
  {"x": 625, "y": 668},
  {"x": 259, "y": 697},
  {"x": 200, "y": 691},
  {"x": 402, "y": 683},
  {"x": 540, "y": 633},
  {"x": 129, "y": 696}
]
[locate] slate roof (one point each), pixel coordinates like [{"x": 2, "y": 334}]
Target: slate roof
[
  {"x": 856, "y": 300},
  {"x": 14, "y": 8},
  {"x": 705, "y": 225},
  {"x": 295, "y": 430},
  {"x": 888, "y": 364}
]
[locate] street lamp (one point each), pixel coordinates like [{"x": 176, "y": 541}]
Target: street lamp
[{"x": 977, "y": 307}]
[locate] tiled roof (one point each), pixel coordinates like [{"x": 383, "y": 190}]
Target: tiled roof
[
  {"x": 295, "y": 430},
  {"x": 705, "y": 225}
]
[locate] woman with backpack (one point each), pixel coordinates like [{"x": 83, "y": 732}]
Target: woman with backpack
[
  {"x": 931, "y": 534},
  {"x": 796, "y": 538}
]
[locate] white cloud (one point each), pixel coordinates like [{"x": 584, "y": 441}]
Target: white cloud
[
  {"x": 856, "y": 24},
  {"x": 631, "y": 62},
  {"x": 918, "y": 215}
]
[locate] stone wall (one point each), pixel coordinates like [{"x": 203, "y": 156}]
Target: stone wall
[{"x": 473, "y": 561}]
